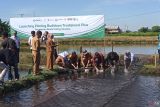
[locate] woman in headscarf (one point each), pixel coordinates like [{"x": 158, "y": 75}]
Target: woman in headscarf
[{"x": 49, "y": 50}]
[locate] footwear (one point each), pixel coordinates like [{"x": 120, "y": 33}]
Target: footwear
[{"x": 16, "y": 79}]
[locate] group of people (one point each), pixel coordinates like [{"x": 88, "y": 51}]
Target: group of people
[
  {"x": 98, "y": 61},
  {"x": 9, "y": 56},
  {"x": 35, "y": 40}
]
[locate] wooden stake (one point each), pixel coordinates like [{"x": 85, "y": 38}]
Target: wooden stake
[{"x": 155, "y": 60}]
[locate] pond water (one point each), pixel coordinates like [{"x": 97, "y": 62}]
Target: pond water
[
  {"x": 136, "y": 49},
  {"x": 119, "y": 90}
]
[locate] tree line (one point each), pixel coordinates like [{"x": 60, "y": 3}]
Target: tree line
[
  {"x": 4, "y": 26},
  {"x": 146, "y": 29}
]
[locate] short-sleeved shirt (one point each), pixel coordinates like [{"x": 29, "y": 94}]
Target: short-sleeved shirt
[
  {"x": 30, "y": 41},
  {"x": 17, "y": 40}
]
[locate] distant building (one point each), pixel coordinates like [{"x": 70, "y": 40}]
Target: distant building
[{"x": 112, "y": 29}]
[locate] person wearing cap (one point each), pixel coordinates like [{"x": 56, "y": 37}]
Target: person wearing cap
[
  {"x": 49, "y": 51},
  {"x": 62, "y": 59},
  {"x": 36, "y": 52}
]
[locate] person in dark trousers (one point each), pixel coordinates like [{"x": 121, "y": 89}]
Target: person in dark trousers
[
  {"x": 159, "y": 52},
  {"x": 159, "y": 47},
  {"x": 6, "y": 59},
  {"x": 17, "y": 41},
  {"x": 9, "y": 43}
]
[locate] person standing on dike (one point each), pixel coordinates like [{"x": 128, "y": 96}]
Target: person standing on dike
[{"x": 49, "y": 51}]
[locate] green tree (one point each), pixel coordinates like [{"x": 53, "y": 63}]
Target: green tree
[
  {"x": 143, "y": 29},
  {"x": 156, "y": 29},
  {"x": 128, "y": 31},
  {"x": 4, "y": 26}
]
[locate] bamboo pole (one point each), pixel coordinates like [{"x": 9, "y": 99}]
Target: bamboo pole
[
  {"x": 112, "y": 46},
  {"x": 90, "y": 45},
  {"x": 104, "y": 44},
  {"x": 155, "y": 56},
  {"x": 57, "y": 47}
]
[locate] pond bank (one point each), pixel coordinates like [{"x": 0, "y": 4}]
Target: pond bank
[
  {"x": 26, "y": 82},
  {"x": 144, "y": 64}
]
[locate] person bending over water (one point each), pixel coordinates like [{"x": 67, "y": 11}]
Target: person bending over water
[
  {"x": 127, "y": 60},
  {"x": 98, "y": 62},
  {"x": 73, "y": 60},
  {"x": 112, "y": 60},
  {"x": 62, "y": 59},
  {"x": 86, "y": 61}
]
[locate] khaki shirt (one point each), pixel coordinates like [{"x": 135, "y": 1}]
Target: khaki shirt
[
  {"x": 49, "y": 45},
  {"x": 35, "y": 44}
]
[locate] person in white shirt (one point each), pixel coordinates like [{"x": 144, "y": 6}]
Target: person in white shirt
[
  {"x": 17, "y": 41},
  {"x": 30, "y": 39},
  {"x": 15, "y": 67},
  {"x": 62, "y": 59}
]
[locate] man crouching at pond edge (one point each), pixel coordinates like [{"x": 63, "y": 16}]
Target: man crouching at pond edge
[{"x": 36, "y": 52}]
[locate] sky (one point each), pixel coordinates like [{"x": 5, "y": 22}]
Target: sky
[{"x": 128, "y": 14}]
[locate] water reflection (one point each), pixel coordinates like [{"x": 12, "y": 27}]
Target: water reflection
[
  {"x": 94, "y": 90},
  {"x": 136, "y": 49}
]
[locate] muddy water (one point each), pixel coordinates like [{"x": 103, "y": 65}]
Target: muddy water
[{"x": 119, "y": 90}]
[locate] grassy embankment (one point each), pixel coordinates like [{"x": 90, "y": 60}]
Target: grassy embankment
[
  {"x": 117, "y": 39},
  {"x": 149, "y": 67}
]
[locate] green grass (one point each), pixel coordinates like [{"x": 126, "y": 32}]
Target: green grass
[
  {"x": 26, "y": 82},
  {"x": 135, "y": 34},
  {"x": 150, "y": 70}
]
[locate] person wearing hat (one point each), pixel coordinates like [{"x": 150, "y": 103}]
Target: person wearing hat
[{"x": 49, "y": 51}]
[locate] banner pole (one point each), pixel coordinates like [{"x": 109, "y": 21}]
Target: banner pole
[
  {"x": 57, "y": 46},
  {"x": 90, "y": 45},
  {"x": 104, "y": 44}
]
